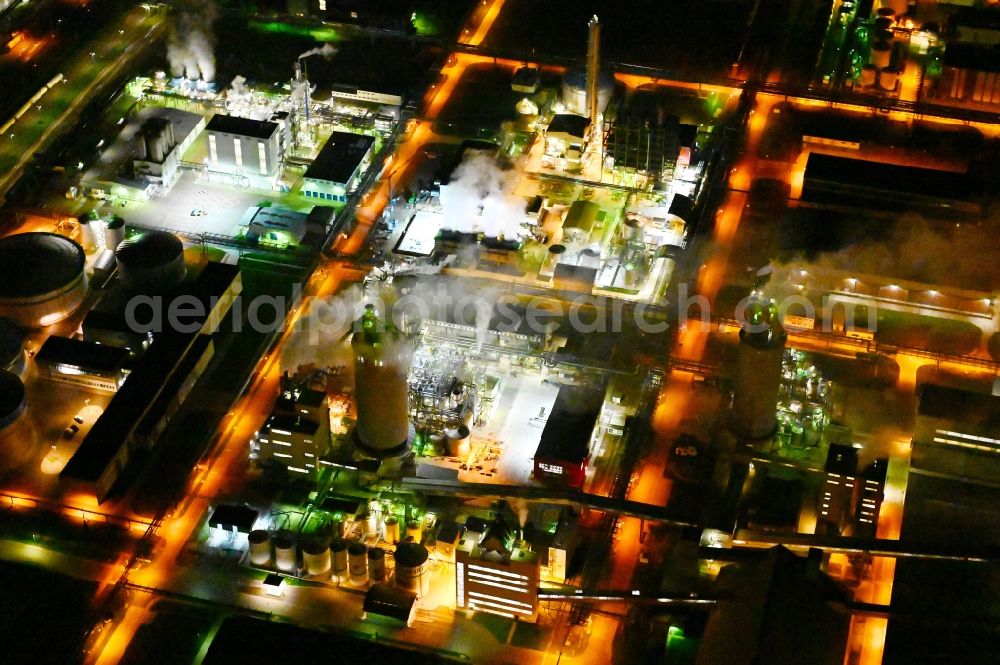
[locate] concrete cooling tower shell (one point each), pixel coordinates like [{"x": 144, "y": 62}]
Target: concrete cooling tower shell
[
  {"x": 44, "y": 279},
  {"x": 151, "y": 262},
  {"x": 381, "y": 360}
]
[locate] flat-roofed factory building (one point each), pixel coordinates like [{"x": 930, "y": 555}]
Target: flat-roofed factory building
[
  {"x": 243, "y": 146},
  {"x": 338, "y": 166}
]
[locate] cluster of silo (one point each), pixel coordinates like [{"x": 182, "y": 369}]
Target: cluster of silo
[
  {"x": 338, "y": 551},
  {"x": 759, "y": 368},
  {"x": 285, "y": 558},
  {"x": 43, "y": 278},
  {"x": 376, "y": 564},
  {"x": 154, "y": 140},
  {"x": 357, "y": 563},
  {"x": 151, "y": 262},
  {"x": 391, "y": 530},
  {"x": 411, "y": 574},
  {"x": 316, "y": 559},
  {"x": 879, "y": 70}
]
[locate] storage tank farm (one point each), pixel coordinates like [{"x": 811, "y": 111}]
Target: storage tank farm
[
  {"x": 758, "y": 377},
  {"x": 382, "y": 358}
]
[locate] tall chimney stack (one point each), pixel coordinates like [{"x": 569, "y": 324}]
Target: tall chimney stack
[{"x": 593, "y": 68}]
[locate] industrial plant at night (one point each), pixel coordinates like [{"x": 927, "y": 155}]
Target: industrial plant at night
[{"x": 500, "y": 331}]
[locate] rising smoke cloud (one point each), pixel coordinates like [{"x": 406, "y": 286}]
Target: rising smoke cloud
[
  {"x": 190, "y": 40},
  {"x": 480, "y": 199},
  {"x": 919, "y": 250},
  {"x": 326, "y": 50}
]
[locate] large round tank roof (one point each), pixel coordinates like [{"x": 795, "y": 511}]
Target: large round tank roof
[
  {"x": 38, "y": 263},
  {"x": 11, "y": 342},
  {"x": 411, "y": 555},
  {"x": 11, "y": 397},
  {"x": 150, "y": 248}
]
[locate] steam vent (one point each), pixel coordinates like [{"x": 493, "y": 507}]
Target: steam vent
[
  {"x": 758, "y": 374},
  {"x": 381, "y": 359}
]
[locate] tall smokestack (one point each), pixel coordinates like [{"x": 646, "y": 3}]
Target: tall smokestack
[{"x": 593, "y": 68}]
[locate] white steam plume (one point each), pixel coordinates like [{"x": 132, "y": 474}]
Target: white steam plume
[
  {"x": 480, "y": 199},
  {"x": 191, "y": 41},
  {"x": 326, "y": 50}
]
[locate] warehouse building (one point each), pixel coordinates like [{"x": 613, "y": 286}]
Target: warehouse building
[{"x": 157, "y": 386}]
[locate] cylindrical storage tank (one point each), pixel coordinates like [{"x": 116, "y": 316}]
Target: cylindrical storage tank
[
  {"x": 869, "y": 74},
  {"x": 881, "y": 54},
  {"x": 886, "y": 12},
  {"x": 459, "y": 441},
  {"x": 338, "y": 548},
  {"x": 376, "y": 564},
  {"x": 151, "y": 262},
  {"x": 12, "y": 356},
  {"x": 357, "y": 563},
  {"x": 888, "y": 78},
  {"x": 883, "y": 24},
  {"x": 114, "y": 233},
  {"x": 371, "y": 524},
  {"x": 315, "y": 557},
  {"x": 43, "y": 278},
  {"x": 154, "y": 147},
  {"x": 411, "y": 567},
  {"x": 381, "y": 361},
  {"x": 413, "y": 531},
  {"x": 12, "y": 402},
  {"x": 391, "y": 529},
  {"x": 139, "y": 147},
  {"x": 88, "y": 234},
  {"x": 260, "y": 547},
  {"x": 284, "y": 551},
  {"x": 632, "y": 228},
  {"x": 574, "y": 90}
]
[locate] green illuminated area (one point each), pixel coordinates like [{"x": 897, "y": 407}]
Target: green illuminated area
[
  {"x": 323, "y": 34},
  {"x": 805, "y": 409}
]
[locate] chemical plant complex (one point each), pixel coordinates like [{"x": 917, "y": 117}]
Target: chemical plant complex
[{"x": 496, "y": 331}]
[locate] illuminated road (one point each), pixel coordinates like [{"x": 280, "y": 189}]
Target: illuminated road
[{"x": 59, "y": 108}]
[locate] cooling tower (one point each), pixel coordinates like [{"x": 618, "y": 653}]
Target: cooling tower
[
  {"x": 381, "y": 360},
  {"x": 758, "y": 377}
]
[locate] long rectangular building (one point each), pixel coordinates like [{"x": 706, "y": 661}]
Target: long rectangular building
[{"x": 156, "y": 387}]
